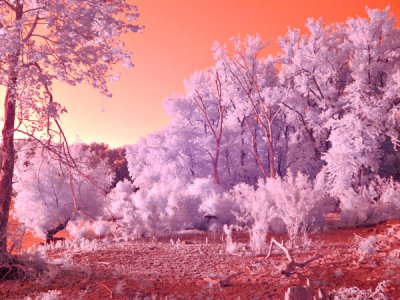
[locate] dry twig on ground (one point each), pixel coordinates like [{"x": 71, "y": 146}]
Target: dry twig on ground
[{"x": 290, "y": 267}]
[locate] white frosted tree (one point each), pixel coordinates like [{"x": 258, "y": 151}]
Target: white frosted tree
[
  {"x": 296, "y": 200},
  {"x": 343, "y": 105},
  {"x": 46, "y": 41},
  {"x": 319, "y": 123},
  {"x": 254, "y": 79},
  {"x": 256, "y": 210},
  {"x": 205, "y": 90},
  {"x": 56, "y": 193},
  {"x": 360, "y": 134},
  {"x": 316, "y": 73}
]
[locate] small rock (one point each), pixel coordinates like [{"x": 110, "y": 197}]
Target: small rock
[{"x": 338, "y": 273}]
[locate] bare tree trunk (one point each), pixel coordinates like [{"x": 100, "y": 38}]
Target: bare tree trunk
[
  {"x": 271, "y": 154},
  {"x": 242, "y": 152},
  {"x": 216, "y": 132},
  {"x": 215, "y": 169},
  {"x": 255, "y": 151},
  {"x": 8, "y": 151}
]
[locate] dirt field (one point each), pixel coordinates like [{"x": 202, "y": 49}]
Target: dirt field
[{"x": 198, "y": 267}]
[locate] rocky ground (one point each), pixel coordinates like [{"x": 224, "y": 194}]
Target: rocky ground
[{"x": 195, "y": 265}]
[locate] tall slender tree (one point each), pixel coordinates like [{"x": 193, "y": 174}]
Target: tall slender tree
[{"x": 42, "y": 41}]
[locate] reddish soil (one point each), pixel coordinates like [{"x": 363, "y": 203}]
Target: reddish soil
[{"x": 192, "y": 269}]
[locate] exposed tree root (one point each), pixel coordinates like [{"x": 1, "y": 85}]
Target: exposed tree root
[
  {"x": 292, "y": 265},
  {"x": 11, "y": 268},
  {"x": 20, "y": 267}
]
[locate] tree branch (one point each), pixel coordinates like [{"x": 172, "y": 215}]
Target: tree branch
[
  {"x": 292, "y": 263},
  {"x": 9, "y": 4},
  {"x": 32, "y": 29}
]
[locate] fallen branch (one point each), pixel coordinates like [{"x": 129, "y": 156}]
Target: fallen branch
[
  {"x": 107, "y": 288},
  {"x": 292, "y": 263}
]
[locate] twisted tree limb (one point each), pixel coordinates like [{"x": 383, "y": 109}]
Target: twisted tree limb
[{"x": 292, "y": 265}]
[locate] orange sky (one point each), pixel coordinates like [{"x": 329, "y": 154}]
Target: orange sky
[{"x": 175, "y": 43}]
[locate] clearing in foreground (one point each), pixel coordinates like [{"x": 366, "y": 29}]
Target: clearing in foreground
[{"x": 195, "y": 265}]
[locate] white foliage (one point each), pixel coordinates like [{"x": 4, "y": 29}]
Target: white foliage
[
  {"x": 230, "y": 245},
  {"x": 366, "y": 246},
  {"x": 355, "y": 293},
  {"x": 49, "y": 295},
  {"x": 373, "y": 203},
  {"x": 87, "y": 37},
  {"x": 213, "y": 200},
  {"x": 89, "y": 230},
  {"x": 295, "y": 199},
  {"x": 80, "y": 230},
  {"x": 256, "y": 210},
  {"x": 164, "y": 207},
  {"x": 322, "y": 114},
  {"x": 120, "y": 201},
  {"x": 101, "y": 228},
  {"x": 58, "y": 193}
]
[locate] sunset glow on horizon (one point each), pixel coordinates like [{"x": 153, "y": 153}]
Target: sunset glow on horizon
[{"x": 176, "y": 42}]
